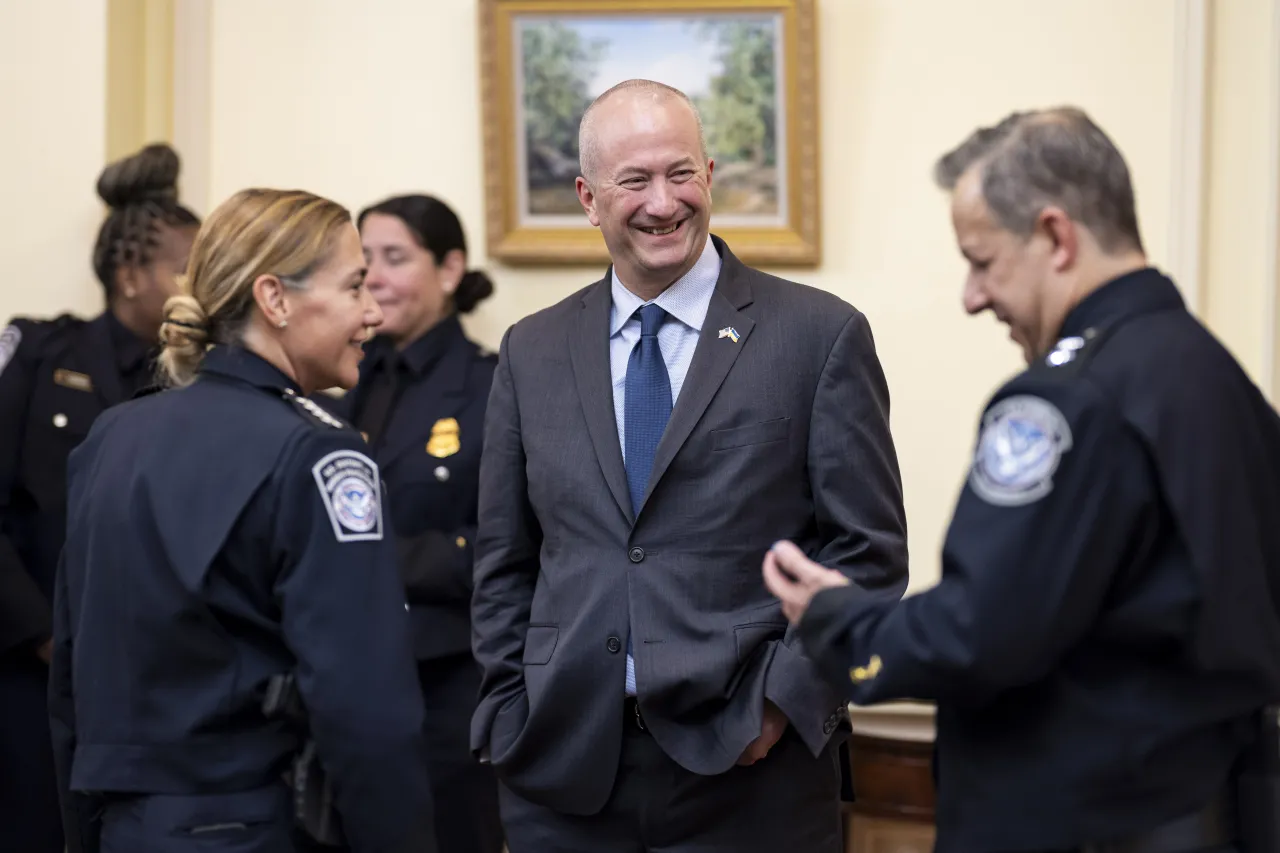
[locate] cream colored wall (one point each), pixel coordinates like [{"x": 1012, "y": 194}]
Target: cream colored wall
[
  {"x": 361, "y": 102},
  {"x": 1242, "y": 221},
  {"x": 52, "y": 100}
]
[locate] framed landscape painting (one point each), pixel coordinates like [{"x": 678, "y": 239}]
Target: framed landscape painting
[{"x": 750, "y": 66}]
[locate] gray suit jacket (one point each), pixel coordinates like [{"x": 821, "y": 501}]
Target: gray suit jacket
[{"x": 783, "y": 434}]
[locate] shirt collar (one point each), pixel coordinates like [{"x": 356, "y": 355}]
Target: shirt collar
[
  {"x": 1140, "y": 292},
  {"x": 687, "y": 300},
  {"x": 236, "y": 362},
  {"x": 421, "y": 355},
  {"x": 131, "y": 351}
]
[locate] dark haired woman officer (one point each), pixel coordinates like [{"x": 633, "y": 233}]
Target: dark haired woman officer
[
  {"x": 56, "y": 377},
  {"x": 421, "y": 403}
]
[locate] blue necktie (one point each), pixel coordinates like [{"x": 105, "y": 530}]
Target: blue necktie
[{"x": 645, "y": 415}]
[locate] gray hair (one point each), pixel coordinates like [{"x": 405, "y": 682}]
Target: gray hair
[
  {"x": 1059, "y": 157},
  {"x": 588, "y": 144}
]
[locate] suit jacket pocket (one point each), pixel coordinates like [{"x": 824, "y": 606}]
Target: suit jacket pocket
[
  {"x": 539, "y": 643},
  {"x": 753, "y": 635},
  {"x": 761, "y": 433}
]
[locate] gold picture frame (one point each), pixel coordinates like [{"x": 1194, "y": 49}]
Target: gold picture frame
[{"x": 542, "y": 60}]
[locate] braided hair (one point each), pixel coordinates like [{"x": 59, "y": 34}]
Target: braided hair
[{"x": 142, "y": 193}]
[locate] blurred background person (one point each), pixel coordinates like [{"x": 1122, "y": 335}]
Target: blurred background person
[
  {"x": 421, "y": 404},
  {"x": 56, "y": 377},
  {"x": 226, "y": 533}
]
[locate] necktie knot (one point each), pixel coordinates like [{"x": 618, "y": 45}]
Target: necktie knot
[{"x": 651, "y": 317}]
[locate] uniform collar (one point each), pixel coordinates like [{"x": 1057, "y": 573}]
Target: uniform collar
[
  {"x": 421, "y": 355},
  {"x": 132, "y": 353},
  {"x": 236, "y": 362},
  {"x": 1143, "y": 291}
]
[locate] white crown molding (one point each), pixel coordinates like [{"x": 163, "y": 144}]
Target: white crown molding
[
  {"x": 192, "y": 98},
  {"x": 1187, "y": 185}
]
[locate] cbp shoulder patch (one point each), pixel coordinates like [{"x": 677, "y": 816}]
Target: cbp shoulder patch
[
  {"x": 1023, "y": 439},
  {"x": 9, "y": 340},
  {"x": 351, "y": 491}
]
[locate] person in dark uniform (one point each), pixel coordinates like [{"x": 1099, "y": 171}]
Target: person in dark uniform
[
  {"x": 1105, "y": 632},
  {"x": 223, "y": 535},
  {"x": 421, "y": 404},
  {"x": 56, "y": 377}
]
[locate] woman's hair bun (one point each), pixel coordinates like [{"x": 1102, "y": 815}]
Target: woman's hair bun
[
  {"x": 472, "y": 289},
  {"x": 149, "y": 175},
  {"x": 185, "y": 335}
]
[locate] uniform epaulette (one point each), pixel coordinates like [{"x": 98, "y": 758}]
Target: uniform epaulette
[
  {"x": 34, "y": 338},
  {"x": 312, "y": 411},
  {"x": 1069, "y": 355}
]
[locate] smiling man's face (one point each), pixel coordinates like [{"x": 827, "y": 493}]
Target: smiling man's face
[{"x": 651, "y": 191}]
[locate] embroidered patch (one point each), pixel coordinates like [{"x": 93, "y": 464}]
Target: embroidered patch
[
  {"x": 9, "y": 340},
  {"x": 349, "y": 486},
  {"x": 1023, "y": 439}
]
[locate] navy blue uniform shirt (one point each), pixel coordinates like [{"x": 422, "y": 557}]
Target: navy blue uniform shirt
[
  {"x": 422, "y": 411},
  {"x": 56, "y": 377},
  {"x": 218, "y": 535},
  {"x": 1106, "y": 621}
]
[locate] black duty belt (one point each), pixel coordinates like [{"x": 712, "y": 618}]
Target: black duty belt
[{"x": 1210, "y": 827}]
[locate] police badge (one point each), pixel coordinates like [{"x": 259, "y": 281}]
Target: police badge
[{"x": 445, "y": 438}]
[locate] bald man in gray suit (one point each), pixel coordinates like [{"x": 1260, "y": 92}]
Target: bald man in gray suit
[{"x": 647, "y": 440}]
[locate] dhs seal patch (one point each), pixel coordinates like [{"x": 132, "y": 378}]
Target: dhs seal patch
[
  {"x": 1022, "y": 441},
  {"x": 9, "y": 340},
  {"x": 351, "y": 490}
]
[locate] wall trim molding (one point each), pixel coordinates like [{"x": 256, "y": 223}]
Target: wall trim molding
[
  {"x": 903, "y": 721},
  {"x": 193, "y": 99},
  {"x": 139, "y": 78},
  {"x": 1189, "y": 132},
  {"x": 1271, "y": 275}
]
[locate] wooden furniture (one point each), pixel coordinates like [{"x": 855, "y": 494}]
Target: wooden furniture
[{"x": 890, "y": 760}]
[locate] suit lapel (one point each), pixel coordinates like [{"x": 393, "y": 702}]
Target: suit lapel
[
  {"x": 589, "y": 354},
  {"x": 712, "y": 360}
]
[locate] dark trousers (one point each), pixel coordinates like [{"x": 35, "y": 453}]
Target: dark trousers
[
  {"x": 787, "y": 803},
  {"x": 464, "y": 792},
  {"x": 29, "y": 817},
  {"x": 258, "y": 821}
]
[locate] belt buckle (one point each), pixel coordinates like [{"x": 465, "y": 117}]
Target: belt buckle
[{"x": 639, "y": 719}]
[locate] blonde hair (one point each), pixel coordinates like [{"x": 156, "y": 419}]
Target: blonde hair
[{"x": 285, "y": 233}]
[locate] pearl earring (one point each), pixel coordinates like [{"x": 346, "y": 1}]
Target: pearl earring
[{"x": 283, "y": 323}]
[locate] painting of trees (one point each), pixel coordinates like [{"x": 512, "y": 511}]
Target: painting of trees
[{"x": 726, "y": 63}]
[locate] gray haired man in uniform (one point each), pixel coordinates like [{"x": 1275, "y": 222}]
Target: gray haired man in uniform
[{"x": 1105, "y": 632}]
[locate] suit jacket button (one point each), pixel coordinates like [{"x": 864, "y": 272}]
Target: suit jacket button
[
  {"x": 636, "y": 555},
  {"x": 614, "y": 645}
]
